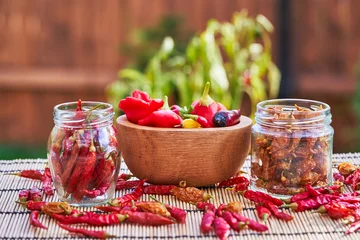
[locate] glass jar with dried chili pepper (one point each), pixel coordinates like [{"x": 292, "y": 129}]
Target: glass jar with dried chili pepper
[
  {"x": 291, "y": 146},
  {"x": 82, "y": 153}
]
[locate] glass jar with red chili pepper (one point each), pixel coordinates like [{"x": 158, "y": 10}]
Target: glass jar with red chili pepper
[
  {"x": 291, "y": 146},
  {"x": 82, "y": 152}
]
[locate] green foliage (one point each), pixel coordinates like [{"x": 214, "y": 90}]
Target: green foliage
[
  {"x": 234, "y": 56},
  {"x": 356, "y": 104}
]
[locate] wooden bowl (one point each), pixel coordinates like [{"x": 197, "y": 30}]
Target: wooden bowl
[{"x": 201, "y": 156}]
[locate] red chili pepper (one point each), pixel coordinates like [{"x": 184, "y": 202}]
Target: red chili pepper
[
  {"x": 138, "y": 106},
  {"x": 206, "y": 107},
  {"x": 353, "y": 227},
  {"x": 55, "y": 150},
  {"x": 222, "y": 228},
  {"x": 241, "y": 187},
  {"x": 252, "y": 224},
  {"x": 231, "y": 220},
  {"x": 34, "y": 221},
  {"x": 175, "y": 109},
  {"x": 68, "y": 145},
  {"x": 334, "y": 189},
  {"x": 126, "y": 184},
  {"x": 312, "y": 191},
  {"x": 141, "y": 95},
  {"x": 47, "y": 182},
  {"x": 147, "y": 218},
  {"x": 177, "y": 213},
  {"x": 110, "y": 208},
  {"x": 70, "y": 164},
  {"x": 32, "y": 206},
  {"x": 219, "y": 210},
  {"x": 35, "y": 194},
  {"x": 300, "y": 196},
  {"x": 24, "y": 195},
  {"x": 303, "y": 205},
  {"x": 104, "y": 172},
  {"x": 336, "y": 211},
  {"x": 233, "y": 181},
  {"x": 353, "y": 206},
  {"x": 96, "y": 219},
  {"x": 207, "y": 221},
  {"x": 260, "y": 197},
  {"x": 32, "y": 174},
  {"x": 125, "y": 177},
  {"x": 162, "y": 118},
  {"x": 159, "y": 189},
  {"x": 97, "y": 192},
  {"x": 135, "y": 195},
  {"x": 206, "y": 206},
  {"x": 89, "y": 233},
  {"x": 199, "y": 119},
  {"x": 277, "y": 212},
  {"x": 263, "y": 212},
  {"x": 338, "y": 177},
  {"x": 226, "y": 118}
]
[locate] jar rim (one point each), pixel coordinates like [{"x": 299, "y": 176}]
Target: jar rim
[
  {"x": 261, "y": 105},
  {"x": 108, "y": 106}
]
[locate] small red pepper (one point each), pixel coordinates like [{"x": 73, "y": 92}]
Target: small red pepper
[
  {"x": 32, "y": 174},
  {"x": 35, "y": 194},
  {"x": 110, "y": 208},
  {"x": 164, "y": 118},
  {"x": 147, "y": 218},
  {"x": 24, "y": 195},
  {"x": 233, "y": 181},
  {"x": 34, "y": 221},
  {"x": 126, "y": 184},
  {"x": 125, "y": 177},
  {"x": 96, "y": 219},
  {"x": 89, "y": 233},
  {"x": 312, "y": 191},
  {"x": 277, "y": 212},
  {"x": 222, "y": 228},
  {"x": 263, "y": 212},
  {"x": 177, "y": 213},
  {"x": 32, "y": 206},
  {"x": 159, "y": 189},
  {"x": 226, "y": 118},
  {"x": 252, "y": 224},
  {"x": 206, "y": 206},
  {"x": 206, "y": 107},
  {"x": 300, "y": 196},
  {"x": 260, "y": 197},
  {"x": 135, "y": 195},
  {"x": 336, "y": 211},
  {"x": 338, "y": 177},
  {"x": 139, "y": 106},
  {"x": 231, "y": 220},
  {"x": 207, "y": 221},
  {"x": 47, "y": 182}
]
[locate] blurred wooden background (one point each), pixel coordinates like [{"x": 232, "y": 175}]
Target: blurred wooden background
[{"x": 58, "y": 51}]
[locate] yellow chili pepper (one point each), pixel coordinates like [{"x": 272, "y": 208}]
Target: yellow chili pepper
[{"x": 190, "y": 123}]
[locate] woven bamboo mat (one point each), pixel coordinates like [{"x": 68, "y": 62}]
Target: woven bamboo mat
[{"x": 14, "y": 220}]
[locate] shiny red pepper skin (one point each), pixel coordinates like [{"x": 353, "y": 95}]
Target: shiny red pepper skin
[
  {"x": 231, "y": 220},
  {"x": 263, "y": 212},
  {"x": 299, "y": 196},
  {"x": 207, "y": 221},
  {"x": 277, "y": 212},
  {"x": 126, "y": 184},
  {"x": 233, "y": 181},
  {"x": 47, "y": 182},
  {"x": 226, "y": 118},
  {"x": 141, "y": 95},
  {"x": 147, "y": 218},
  {"x": 260, "y": 197},
  {"x": 312, "y": 191},
  {"x": 34, "y": 221},
  {"x": 32, "y": 174},
  {"x": 206, "y": 206},
  {"x": 135, "y": 195},
  {"x": 162, "y": 118},
  {"x": 177, "y": 213},
  {"x": 336, "y": 211},
  {"x": 159, "y": 189},
  {"x": 96, "y": 219},
  {"x": 89, "y": 233},
  {"x": 199, "y": 119},
  {"x": 252, "y": 224},
  {"x": 31, "y": 205},
  {"x": 222, "y": 228}
]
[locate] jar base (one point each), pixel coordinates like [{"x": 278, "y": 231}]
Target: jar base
[{"x": 86, "y": 202}]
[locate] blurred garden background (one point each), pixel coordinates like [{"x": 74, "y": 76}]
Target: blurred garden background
[{"x": 62, "y": 50}]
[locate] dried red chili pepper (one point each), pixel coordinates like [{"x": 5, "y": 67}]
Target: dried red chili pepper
[
  {"x": 34, "y": 221},
  {"x": 96, "y": 219},
  {"x": 68, "y": 145},
  {"x": 57, "y": 207},
  {"x": 233, "y": 181},
  {"x": 222, "y": 228},
  {"x": 231, "y": 220},
  {"x": 147, "y": 218},
  {"x": 260, "y": 197},
  {"x": 241, "y": 187},
  {"x": 24, "y": 195},
  {"x": 353, "y": 227},
  {"x": 220, "y": 209},
  {"x": 338, "y": 177},
  {"x": 162, "y": 118},
  {"x": 303, "y": 205},
  {"x": 109, "y": 208},
  {"x": 125, "y": 177},
  {"x": 207, "y": 221},
  {"x": 138, "y": 107},
  {"x": 263, "y": 212},
  {"x": 103, "y": 173},
  {"x": 353, "y": 206},
  {"x": 97, "y": 192},
  {"x": 233, "y": 207},
  {"x": 312, "y": 191},
  {"x": 226, "y": 118},
  {"x": 153, "y": 207},
  {"x": 70, "y": 164},
  {"x": 35, "y": 194},
  {"x": 336, "y": 211},
  {"x": 177, "y": 213},
  {"x": 206, "y": 107},
  {"x": 32, "y": 206},
  {"x": 277, "y": 212},
  {"x": 32, "y": 174},
  {"x": 300, "y": 196},
  {"x": 55, "y": 150},
  {"x": 252, "y": 224},
  {"x": 190, "y": 194},
  {"x": 159, "y": 189},
  {"x": 206, "y": 206},
  {"x": 47, "y": 182},
  {"x": 126, "y": 184},
  {"x": 89, "y": 233},
  {"x": 135, "y": 195}
]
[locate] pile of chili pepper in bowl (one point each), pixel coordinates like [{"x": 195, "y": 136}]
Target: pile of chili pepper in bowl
[{"x": 169, "y": 144}]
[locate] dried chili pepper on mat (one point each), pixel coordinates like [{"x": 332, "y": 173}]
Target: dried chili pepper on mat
[
  {"x": 31, "y": 205},
  {"x": 147, "y": 218},
  {"x": 89, "y": 233},
  {"x": 47, "y": 182},
  {"x": 233, "y": 181},
  {"x": 135, "y": 195},
  {"x": 24, "y": 195},
  {"x": 56, "y": 207},
  {"x": 336, "y": 211},
  {"x": 353, "y": 227},
  {"x": 260, "y": 197},
  {"x": 263, "y": 212},
  {"x": 32, "y": 174},
  {"x": 34, "y": 221},
  {"x": 35, "y": 194},
  {"x": 207, "y": 221},
  {"x": 159, "y": 189},
  {"x": 205, "y": 206},
  {"x": 190, "y": 194},
  {"x": 95, "y": 219},
  {"x": 126, "y": 184},
  {"x": 177, "y": 213},
  {"x": 222, "y": 228},
  {"x": 277, "y": 212},
  {"x": 346, "y": 168},
  {"x": 109, "y": 208},
  {"x": 153, "y": 207},
  {"x": 252, "y": 224},
  {"x": 231, "y": 220},
  {"x": 125, "y": 177},
  {"x": 233, "y": 207}
]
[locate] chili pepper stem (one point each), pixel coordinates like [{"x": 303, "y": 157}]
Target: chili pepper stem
[{"x": 205, "y": 99}]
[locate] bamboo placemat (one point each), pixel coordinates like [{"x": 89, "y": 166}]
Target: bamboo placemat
[{"x": 14, "y": 220}]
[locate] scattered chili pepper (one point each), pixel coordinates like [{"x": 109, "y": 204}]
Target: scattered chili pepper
[
  {"x": 231, "y": 220},
  {"x": 346, "y": 168},
  {"x": 241, "y": 187},
  {"x": 32, "y": 174},
  {"x": 190, "y": 194},
  {"x": 159, "y": 189},
  {"x": 300, "y": 196},
  {"x": 206, "y": 206},
  {"x": 126, "y": 184},
  {"x": 47, "y": 182},
  {"x": 109, "y": 208},
  {"x": 135, "y": 195},
  {"x": 260, "y": 197},
  {"x": 35, "y": 194},
  {"x": 207, "y": 221},
  {"x": 56, "y": 207},
  {"x": 353, "y": 206},
  {"x": 206, "y": 107},
  {"x": 336, "y": 211},
  {"x": 125, "y": 177},
  {"x": 312, "y": 191},
  {"x": 154, "y": 207},
  {"x": 252, "y": 224},
  {"x": 89, "y": 233},
  {"x": 263, "y": 212},
  {"x": 226, "y": 118},
  {"x": 303, "y": 205},
  {"x": 233, "y": 207},
  {"x": 138, "y": 107},
  {"x": 147, "y": 218},
  {"x": 68, "y": 145},
  {"x": 220, "y": 209},
  {"x": 233, "y": 181},
  {"x": 222, "y": 228},
  {"x": 204, "y": 123},
  {"x": 177, "y": 213},
  {"x": 101, "y": 190},
  {"x": 103, "y": 173},
  {"x": 34, "y": 221},
  {"x": 339, "y": 177},
  {"x": 95, "y": 219},
  {"x": 31, "y": 205},
  {"x": 162, "y": 118},
  {"x": 70, "y": 163},
  {"x": 277, "y": 212},
  {"x": 353, "y": 227},
  {"x": 24, "y": 195}
]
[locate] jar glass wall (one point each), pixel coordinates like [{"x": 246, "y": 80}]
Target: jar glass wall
[
  {"x": 82, "y": 153},
  {"x": 291, "y": 146}
]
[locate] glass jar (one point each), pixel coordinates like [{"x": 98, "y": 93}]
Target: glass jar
[
  {"x": 291, "y": 146},
  {"x": 82, "y": 153}
]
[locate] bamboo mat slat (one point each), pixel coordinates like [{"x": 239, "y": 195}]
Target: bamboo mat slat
[{"x": 14, "y": 220}]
